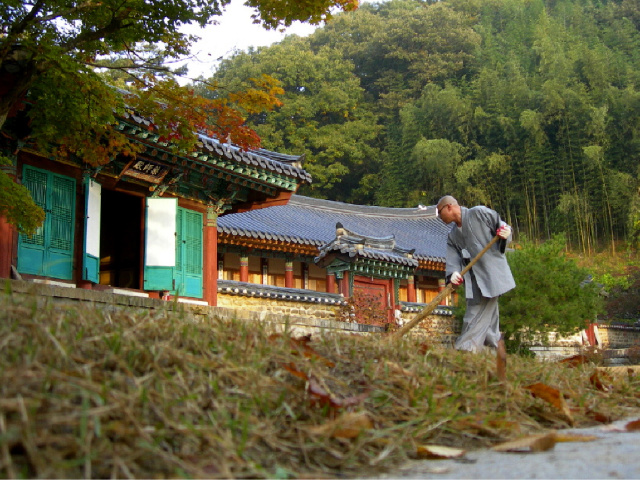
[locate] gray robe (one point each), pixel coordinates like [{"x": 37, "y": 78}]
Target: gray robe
[{"x": 489, "y": 278}]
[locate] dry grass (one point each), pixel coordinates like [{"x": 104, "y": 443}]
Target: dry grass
[{"x": 85, "y": 393}]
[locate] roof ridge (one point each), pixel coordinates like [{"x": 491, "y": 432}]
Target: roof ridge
[{"x": 364, "y": 210}]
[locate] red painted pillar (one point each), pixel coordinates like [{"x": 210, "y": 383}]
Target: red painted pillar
[
  {"x": 244, "y": 268},
  {"x": 288, "y": 274},
  {"x": 411, "y": 289},
  {"x": 331, "y": 283},
  {"x": 210, "y": 260},
  {"x": 441, "y": 286},
  {"x": 344, "y": 285},
  {"x": 7, "y": 232}
]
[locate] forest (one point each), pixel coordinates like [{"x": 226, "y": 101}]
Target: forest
[{"x": 531, "y": 107}]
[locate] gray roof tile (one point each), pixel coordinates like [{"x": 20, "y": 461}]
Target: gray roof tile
[{"x": 312, "y": 221}]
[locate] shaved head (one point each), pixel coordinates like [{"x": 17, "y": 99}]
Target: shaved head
[{"x": 446, "y": 200}]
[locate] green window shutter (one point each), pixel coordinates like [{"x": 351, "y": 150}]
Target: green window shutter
[
  {"x": 62, "y": 202},
  {"x": 179, "y": 240},
  {"x": 188, "y": 275},
  {"x": 36, "y": 182},
  {"x": 193, "y": 243},
  {"x": 50, "y": 251},
  {"x": 62, "y": 208}
]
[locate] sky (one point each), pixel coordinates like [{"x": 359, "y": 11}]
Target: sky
[{"x": 235, "y": 32}]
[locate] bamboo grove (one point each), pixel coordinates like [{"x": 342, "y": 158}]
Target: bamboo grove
[{"x": 529, "y": 106}]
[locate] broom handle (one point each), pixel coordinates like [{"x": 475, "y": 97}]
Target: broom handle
[{"x": 447, "y": 290}]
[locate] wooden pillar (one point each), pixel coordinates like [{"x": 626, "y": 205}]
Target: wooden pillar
[
  {"x": 210, "y": 260},
  {"x": 331, "y": 283},
  {"x": 7, "y": 232},
  {"x": 411, "y": 289},
  {"x": 344, "y": 284},
  {"x": 288, "y": 274},
  {"x": 441, "y": 285},
  {"x": 244, "y": 267}
]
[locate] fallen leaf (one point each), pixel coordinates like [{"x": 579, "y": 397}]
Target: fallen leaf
[
  {"x": 572, "y": 437},
  {"x": 598, "y": 417},
  {"x": 436, "y": 452},
  {"x": 632, "y": 426},
  {"x": 437, "y": 470},
  {"x": 322, "y": 397},
  {"x": 347, "y": 425},
  {"x": 575, "y": 360},
  {"x": 597, "y": 379},
  {"x": 291, "y": 368},
  {"x": 552, "y": 396},
  {"x": 532, "y": 443}
]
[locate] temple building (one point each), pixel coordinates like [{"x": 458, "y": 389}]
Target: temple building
[
  {"x": 145, "y": 225},
  {"x": 395, "y": 257},
  {"x": 213, "y": 224}
]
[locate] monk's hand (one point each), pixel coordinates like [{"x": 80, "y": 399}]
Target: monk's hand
[
  {"x": 456, "y": 278},
  {"x": 504, "y": 231}
]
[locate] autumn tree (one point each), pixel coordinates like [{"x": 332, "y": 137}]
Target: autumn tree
[{"x": 52, "y": 53}]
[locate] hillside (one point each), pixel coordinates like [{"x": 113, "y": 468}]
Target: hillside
[{"x": 531, "y": 107}]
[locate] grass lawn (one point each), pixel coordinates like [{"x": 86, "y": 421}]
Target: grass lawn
[{"x": 92, "y": 393}]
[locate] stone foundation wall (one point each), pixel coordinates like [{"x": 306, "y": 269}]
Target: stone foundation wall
[
  {"x": 619, "y": 336},
  {"x": 302, "y": 312},
  {"x": 267, "y": 307},
  {"x": 440, "y": 326}
]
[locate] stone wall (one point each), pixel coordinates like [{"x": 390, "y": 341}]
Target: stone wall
[
  {"x": 270, "y": 301},
  {"x": 304, "y": 311},
  {"x": 619, "y": 336},
  {"x": 441, "y": 326}
]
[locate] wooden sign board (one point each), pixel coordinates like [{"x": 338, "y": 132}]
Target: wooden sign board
[{"x": 146, "y": 170}]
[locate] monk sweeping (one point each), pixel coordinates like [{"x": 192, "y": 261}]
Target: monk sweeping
[{"x": 490, "y": 276}]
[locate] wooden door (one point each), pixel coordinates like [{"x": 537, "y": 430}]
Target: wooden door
[{"x": 373, "y": 299}]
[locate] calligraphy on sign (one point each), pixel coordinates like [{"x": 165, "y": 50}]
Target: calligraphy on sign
[{"x": 146, "y": 170}]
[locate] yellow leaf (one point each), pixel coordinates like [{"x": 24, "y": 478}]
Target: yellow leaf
[
  {"x": 532, "y": 443},
  {"x": 347, "y": 425},
  {"x": 571, "y": 437},
  {"x": 435, "y": 452},
  {"x": 552, "y": 396}
]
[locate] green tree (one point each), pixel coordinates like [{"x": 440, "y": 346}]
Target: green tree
[
  {"x": 16, "y": 205},
  {"x": 552, "y": 294},
  {"x": 323, "y": 114}
]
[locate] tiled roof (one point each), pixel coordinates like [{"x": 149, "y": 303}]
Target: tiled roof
[
  {"x": 311, "y": 221},
  {"x": 376, "y": 248},
  {"x": 279, "y": 163}
]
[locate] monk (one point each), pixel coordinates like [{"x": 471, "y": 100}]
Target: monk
[{"x": 471, "y": 230}]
